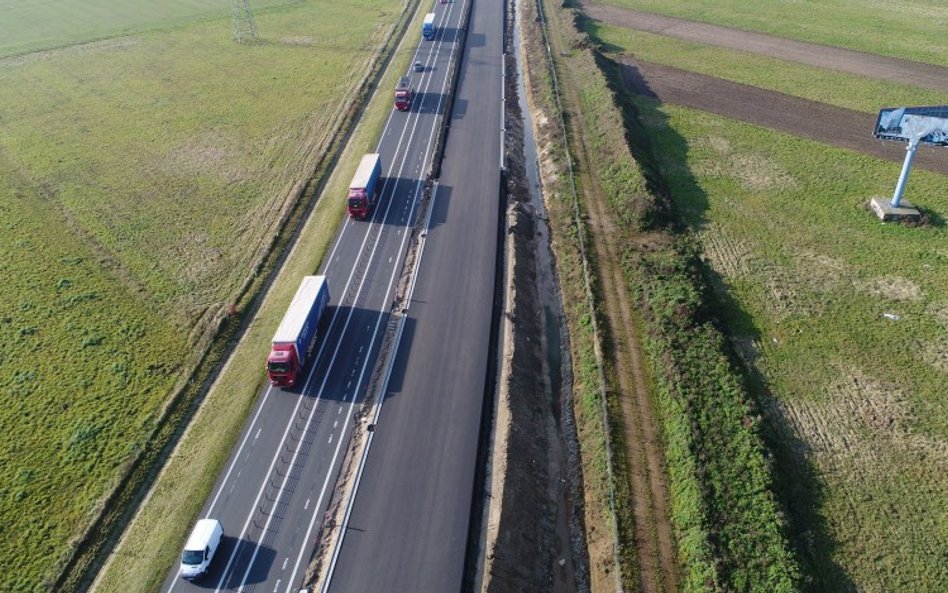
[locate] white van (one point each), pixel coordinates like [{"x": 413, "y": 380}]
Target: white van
[{"x": 198, "y": 552}]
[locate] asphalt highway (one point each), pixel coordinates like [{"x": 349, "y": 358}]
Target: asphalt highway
[
  {"x": 408, "y": 529},
  {"x": 274, "y": 489}
]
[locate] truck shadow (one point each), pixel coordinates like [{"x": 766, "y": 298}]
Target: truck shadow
[
  {"x": 392, "y": 207},
  {"x": 441, "y": 203},
  {"x": 447, "y": 35},
  {"x": 345, "y": 355},
  {"x": 397, "y": 378},
  {"x": 428, "y": 102}
]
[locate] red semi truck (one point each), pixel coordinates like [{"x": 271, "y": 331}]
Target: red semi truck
[
  {"x": 403, "y": 94},
  {"x": 293, "y": 340},
  {"x": 364, "y": 185}
]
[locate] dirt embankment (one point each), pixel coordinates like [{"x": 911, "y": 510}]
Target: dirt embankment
[
  {"x": 535, "y": 535},
  {"x": 650, "y": 543}
]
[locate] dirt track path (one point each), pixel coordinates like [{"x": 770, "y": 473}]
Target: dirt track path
[
  {"x": 821, "y": 56},
  {"x": 654, "y": 541},
  {"x": 656, "y": 551}
]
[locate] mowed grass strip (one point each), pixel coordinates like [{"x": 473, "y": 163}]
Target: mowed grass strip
[
  {"x": 912, "y": 30},
  {"x": 142, "y": 180},
  {"x": 825, "y": 86},
  {"x": 846, "y": 321},
  {"x": 32, "y": 25}
]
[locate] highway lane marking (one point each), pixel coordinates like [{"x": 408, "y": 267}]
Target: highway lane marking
[
  {"x": 256, "y": 436},
  {"x": 326, "y": 343},
  {"x": 387, "y": 131},
  {"x": 328, "y": 579},
  {"x": 306, "y": 505},
  {"x": 233, "y": 464},
  {"x": 277, "y": 586},
  {"x": 285, "y": 560},
  {"x": 332, "y": 324},
  {"x": 330, "y": 438}
]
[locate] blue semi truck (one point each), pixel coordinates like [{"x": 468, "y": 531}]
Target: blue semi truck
[
  {"x": 294, "y": 338},
  {"x": 427, "y": 27}
]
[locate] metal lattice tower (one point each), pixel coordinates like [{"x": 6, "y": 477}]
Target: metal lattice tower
[{"x": 244, "y": 27}]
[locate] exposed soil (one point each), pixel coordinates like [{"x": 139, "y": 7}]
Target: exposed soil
[
  {"x": 824, "y": 123},
  {"x": 655, "y": 549},
  {"x": 528, "y": 543},
  {"x": 654, "y": 541},
  {"x": 534, "y": 529}
]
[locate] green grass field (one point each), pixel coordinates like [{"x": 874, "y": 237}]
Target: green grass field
[
  {"x": 826, "y": 86},
  {"x": 843, "y": 319},
  {"x": 911, "y": 29},
  {"x": 142, "y": 178},
  {"x": 809, "y": 276},
  {"x": 32, "y": 25}
]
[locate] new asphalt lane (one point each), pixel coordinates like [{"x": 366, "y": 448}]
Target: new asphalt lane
[
  {"x": 408, "y": 530},
  {"x": 274, "y": 488}
]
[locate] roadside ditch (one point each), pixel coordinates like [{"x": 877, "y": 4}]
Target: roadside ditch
[{"x": 534, "y": 532}]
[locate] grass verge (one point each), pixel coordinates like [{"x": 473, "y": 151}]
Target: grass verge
[
  {"x": 839, "y": 322},
  {"x": 803, "y": 279}
]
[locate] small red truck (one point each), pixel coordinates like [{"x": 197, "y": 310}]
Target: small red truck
[
  {"x": 293, "y": 340},
  {"x": 403, "y": 94}
]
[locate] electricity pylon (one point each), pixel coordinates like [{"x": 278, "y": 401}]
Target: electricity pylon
[{"x": 244, "y": 27}]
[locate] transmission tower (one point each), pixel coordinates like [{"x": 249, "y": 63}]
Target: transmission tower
[{"x": 244, "y": 27}]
